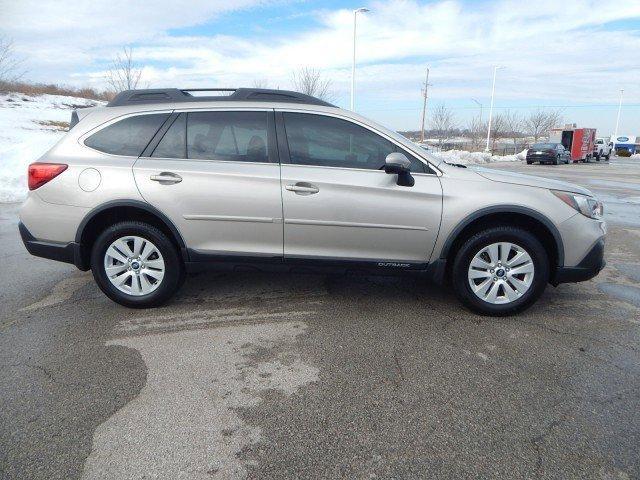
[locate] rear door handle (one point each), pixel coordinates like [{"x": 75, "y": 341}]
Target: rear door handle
[
  {"x": 166, "y": 178},
  {"x": 303, "y": 188}
]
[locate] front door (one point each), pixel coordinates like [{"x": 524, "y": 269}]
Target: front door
[
  {"x": 216, "y": 175},
  {"x": 339, "y": 204}
]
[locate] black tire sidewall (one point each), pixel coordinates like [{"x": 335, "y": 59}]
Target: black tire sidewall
[
  {"x": 469, "y": 249},
  {"x": 174, "y": 269}
]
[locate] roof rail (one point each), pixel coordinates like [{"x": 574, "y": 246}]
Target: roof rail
[{"x": 175, "y": 95}]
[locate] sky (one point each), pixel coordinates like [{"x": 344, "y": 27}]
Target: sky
[{"x": 574, "y": 56}]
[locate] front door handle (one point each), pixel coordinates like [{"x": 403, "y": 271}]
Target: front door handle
[
  {"x": 303, "y": 188},
  {"x": 166, "y": 178}
]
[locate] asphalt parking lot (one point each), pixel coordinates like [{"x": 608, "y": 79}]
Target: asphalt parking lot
[{"x": 275, "y": 376}]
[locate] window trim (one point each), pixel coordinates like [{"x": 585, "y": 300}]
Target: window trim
[
  {"x": 283, "y": 146},
  {"x": 113, "y": 120}
]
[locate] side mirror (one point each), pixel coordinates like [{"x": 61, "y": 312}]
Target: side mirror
[{"x": 397, "y": 163}]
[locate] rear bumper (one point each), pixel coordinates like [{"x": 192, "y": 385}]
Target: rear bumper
[
  {"x": 541, "y": 158},
  {"x": 62, "y": 252},
  {"x": 588, "y": 268}
]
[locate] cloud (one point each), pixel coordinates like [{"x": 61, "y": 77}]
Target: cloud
[{"x": 550, "y": 52}]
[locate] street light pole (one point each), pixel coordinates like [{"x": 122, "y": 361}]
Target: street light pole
[
  {"x": 353, "y": 65},
  {"x": 493, "y": 91},
  {"x": 424, "y": 106},
  {"x": 615, "y": 134}
]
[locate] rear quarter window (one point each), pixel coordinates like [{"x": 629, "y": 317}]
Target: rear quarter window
[{"x": 127, "y": 137}]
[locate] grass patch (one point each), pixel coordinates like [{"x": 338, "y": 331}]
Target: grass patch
[{"x": 54, "y": 125}]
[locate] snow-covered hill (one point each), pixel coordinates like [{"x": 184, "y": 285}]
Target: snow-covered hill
[{"x": 29, "y": 126}]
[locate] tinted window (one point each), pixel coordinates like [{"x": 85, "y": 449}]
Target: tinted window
[
  {"x": 173, "y": 144},
  {"x": 332, "y": 142},
  {"x": 543, "y": 146},
  {"x": 233, "y": 136},
  {"x": 127, "y": 137}
]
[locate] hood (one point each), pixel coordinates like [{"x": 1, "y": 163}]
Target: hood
[{"x": 530, "y": 180}]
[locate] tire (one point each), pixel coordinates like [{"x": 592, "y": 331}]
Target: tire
[
  {"x": 557, "y": 160},
  {"x": 474, "y": 246},
  {"x": 607, "y": 157},
  {"x": 156, "y": 266},
  {"x": 597, "y": 157},
  {"x": 529, "y": 163}
]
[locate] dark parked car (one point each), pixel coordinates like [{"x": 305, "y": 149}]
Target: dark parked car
[{"x": 554, "y": 153}]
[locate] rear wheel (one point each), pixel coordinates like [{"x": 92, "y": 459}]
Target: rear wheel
[
  {"x": 500, "y": 271},
  {"x": 557, "y": 160},
  {"x": 136, "y": 265}
]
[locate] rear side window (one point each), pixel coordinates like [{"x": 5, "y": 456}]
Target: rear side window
[
  {"x": 231, "y": 136},
  {"x": 127, "y": 137}
]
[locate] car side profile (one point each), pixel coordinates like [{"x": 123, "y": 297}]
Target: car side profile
[
  {"x": 552, "y": 153},
  {"x": 162, "y": 182}
]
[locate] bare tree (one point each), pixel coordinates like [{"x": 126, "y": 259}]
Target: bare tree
[
  {"x": 539, "y": 122},
  {"x": 498, "y": 129},
  {"x": 476, "y": 131},
  {"x": 123, "y": 74},
  {"x": 513, "y": 123},
  {"x": 9, "y": 63},
  {"x": 311, "y": 82},
  {"x": 442, "y": 123},
  {"x": 260, "y": 83}
]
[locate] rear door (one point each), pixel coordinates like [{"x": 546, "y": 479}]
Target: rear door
[
  {"x": 340, "y": 205},
  {"x": 216, "y": 175}
]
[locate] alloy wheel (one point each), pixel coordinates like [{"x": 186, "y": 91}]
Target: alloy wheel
[
  {"x": 501, "y": 273},
  {"x": 134, "y": 265}
]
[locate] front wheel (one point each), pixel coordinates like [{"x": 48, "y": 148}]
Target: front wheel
[
  {"x": 136, "y": 265},
  {"x": 500, "y": 271}
]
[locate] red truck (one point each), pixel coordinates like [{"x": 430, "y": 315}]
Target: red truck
[{"x": 578, "y": 141}]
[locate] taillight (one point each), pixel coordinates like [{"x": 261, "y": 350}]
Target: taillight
[{"x": 41, "y": 173}]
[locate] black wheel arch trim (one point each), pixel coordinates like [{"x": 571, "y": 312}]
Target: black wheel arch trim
[
  {"x": 135, "y": 204},
  {"x": 505, "y": 209}
]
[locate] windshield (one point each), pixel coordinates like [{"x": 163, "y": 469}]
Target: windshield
[{"x": 543, "y": 146}]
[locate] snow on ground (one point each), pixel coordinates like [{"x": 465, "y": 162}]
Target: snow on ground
[
  {"x": 465, "y": 158},
  {"x": 23, "y": 139}
]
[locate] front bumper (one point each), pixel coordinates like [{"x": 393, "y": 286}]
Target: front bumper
[
  {"x": 62, "y": 252},
  {"x": 588, "y": 268}
]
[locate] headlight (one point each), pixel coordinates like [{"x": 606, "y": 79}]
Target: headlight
[{"x": 588, "y": 206}]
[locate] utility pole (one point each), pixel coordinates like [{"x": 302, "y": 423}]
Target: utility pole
[
  {"x": 424, "y": 106},
  {"x": 480, "y": 105},
  {"x": 615, "y": 134}
]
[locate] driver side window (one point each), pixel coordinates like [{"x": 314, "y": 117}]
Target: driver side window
[{"x": 332, "y": 142}]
